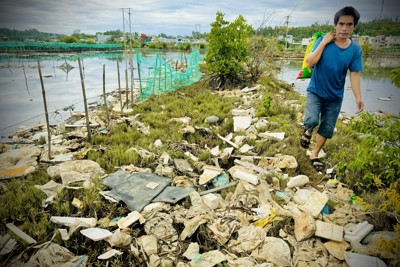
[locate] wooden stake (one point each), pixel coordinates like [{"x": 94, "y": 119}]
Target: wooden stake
[
  {"x": 104, "y": 94},
  {"x": 132, "y": 84},
  {"x": 45, "y": 110},
  {"x": 138, "y": 66},
  {"x": 126, "y": 86},
  {"x": 85, "y": 101},
  {"x": 119, "y": 86}
]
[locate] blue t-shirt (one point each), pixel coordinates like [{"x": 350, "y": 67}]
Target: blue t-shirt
[{"x": 329, "y": 74}]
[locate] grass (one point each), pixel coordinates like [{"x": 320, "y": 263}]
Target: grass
[{"x": 353, "y": 157}]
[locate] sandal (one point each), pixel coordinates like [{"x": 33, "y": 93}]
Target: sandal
[
  {"x": 318, "y": 165},
  {"x": 305, "y": 139}
]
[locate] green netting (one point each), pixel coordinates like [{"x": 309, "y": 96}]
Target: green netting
[
  {"x": 55, "y": 47},
  {"x": 156, "y": 75}
]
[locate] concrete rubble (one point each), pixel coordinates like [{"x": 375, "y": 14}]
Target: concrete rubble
[{"x": 268, "y": 218}]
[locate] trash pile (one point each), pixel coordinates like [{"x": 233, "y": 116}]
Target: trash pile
[{"x": 195, "y": 214}]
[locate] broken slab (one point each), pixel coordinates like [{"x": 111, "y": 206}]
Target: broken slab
[
  {"x": 18, "y": 161},
  {"x": 192, "y": 250},
  {"x": 356, "y": 232},
  {"x": 76, "y": 171},
  {"x": 298, "y": 181},
  {"x": 128, "y": 220},
  {"x": 279, "y": 135},
  {"x": 133, "y": 189},
  {"x": 211, "y": 200},
  {"x": 109, "y": 254},
  {"x": 316, "y": 203},
  {"x": 337, "y": 249},
  {"x": 51, "y": 188},
  {"x": 357, "y": 260},
  {"x": 149, "y": 244},
  {"x": 74, "y": 221},
  {"x": 209, "y": 173},
  {"x": 18, "y": 232},
  {"x": 242, "y": 175},
  {"x": 304, "y": 226},
  {"x": 329, "y": 231},
  {"x": 120, "y": 238},
  {"x": 7, "y": 244},
  {"x": 241, "y": 123},
  {"x": 96, "y": 234},
  {"x": 228, "y": 141}
]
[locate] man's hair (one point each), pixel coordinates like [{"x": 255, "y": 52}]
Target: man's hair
[{"x": 347, "y": 11}]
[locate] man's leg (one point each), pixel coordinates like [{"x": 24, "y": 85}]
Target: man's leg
[
  {"x": 311, "y": 118},
  {"x": 329, "y": 115},
  {"x": 320, "y": 142}
]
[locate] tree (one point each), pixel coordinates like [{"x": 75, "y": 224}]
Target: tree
[
  {"x": 395, "y": 77},
  {"x": 70, "y": 39},
  {"x": 261, "y": 54},
  {"x": 227, "y": 51}
]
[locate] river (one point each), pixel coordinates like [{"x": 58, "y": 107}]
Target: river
[
  {"x": 21, "y": 98},
  {"x": 378, "y": 93}
]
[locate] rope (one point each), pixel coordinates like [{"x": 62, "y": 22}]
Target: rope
[{"x": 56, "y": 112}]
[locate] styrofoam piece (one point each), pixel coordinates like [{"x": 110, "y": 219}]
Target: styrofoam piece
[
  {"x": 96, "y": 234},
  {"x": 109, "y": 254},
  {"x": 20, "y": 233},
  {"x": 329, "y": 231},
  {"x": 358, "y": 232},
  {"x": 251, "y": 178},
  {"x": 211, "y": 200},
  {"x": 127, "y": 221},
  {"x": 357, "y": 260},
  {"x": 70, "y": 221}
]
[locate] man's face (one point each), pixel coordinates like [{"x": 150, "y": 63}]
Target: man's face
[{"x": 344, "y": 27}]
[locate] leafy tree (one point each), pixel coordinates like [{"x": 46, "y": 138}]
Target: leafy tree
[
  {"x": 70, "y": 39},
  {"x": 395, "y": 77},
  {"x": 261, "y": 55},
  {"x": 114, "y": 34},
  {"x": 227, "y": 51}
]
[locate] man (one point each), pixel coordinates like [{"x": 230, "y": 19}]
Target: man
[{"x": 333, "y": 56}]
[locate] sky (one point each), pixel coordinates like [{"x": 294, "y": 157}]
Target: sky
[{"x": 177, "y": 17}]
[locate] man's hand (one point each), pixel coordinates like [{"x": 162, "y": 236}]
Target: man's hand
[
  {"x": 329, "y": 37},
  {"x": 360, "y": 105}
]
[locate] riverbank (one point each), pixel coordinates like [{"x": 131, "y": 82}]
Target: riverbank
[{"x": 239, "y": 168}]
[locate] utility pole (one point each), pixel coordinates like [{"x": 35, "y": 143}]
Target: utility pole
[
  {"x": 380, "y": 16},
  {"x": 287, "y": 26},
  {"x": 126, "y": 23},
  {"x": 287, "y": 30},
  {"x": 197, "y": 29}
]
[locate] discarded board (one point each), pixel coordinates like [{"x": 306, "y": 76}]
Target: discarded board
[{"x": 20, "y": 233}]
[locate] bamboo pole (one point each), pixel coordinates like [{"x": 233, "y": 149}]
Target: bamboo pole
[
  {"x": 132, "y": 78},
  {"x": 85, "y": 101},
  {"x": 138, "y": 66},
  {"x": 119, "y": 86},
  {"x": 45, "y": 110},
  {"x": 104, "y": 94},
  {"x": 126, "y": 86}
]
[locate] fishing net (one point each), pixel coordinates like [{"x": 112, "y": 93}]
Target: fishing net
[{"x": 159, "y": 75}]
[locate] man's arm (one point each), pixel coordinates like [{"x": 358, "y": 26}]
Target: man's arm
[
  {"x": 355, "y": 86},
  {"x": 315, "y": 56}
]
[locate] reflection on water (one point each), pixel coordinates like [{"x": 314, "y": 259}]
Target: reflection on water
[
  {"x": 373, "y": 87},
  {"x": 21, "y": 100}
]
